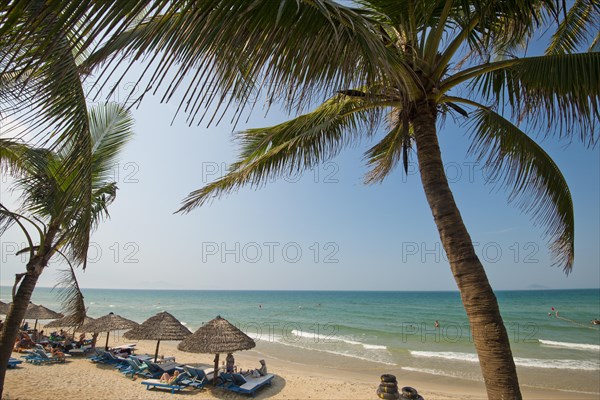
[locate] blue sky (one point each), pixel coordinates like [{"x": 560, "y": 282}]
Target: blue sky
[{"x": 324, "y": 230}]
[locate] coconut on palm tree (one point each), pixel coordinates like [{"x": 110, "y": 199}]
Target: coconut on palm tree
[{"x": 49, "y": 206}]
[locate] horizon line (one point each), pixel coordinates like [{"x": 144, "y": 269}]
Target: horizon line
[{"x": 316, "y": 290}]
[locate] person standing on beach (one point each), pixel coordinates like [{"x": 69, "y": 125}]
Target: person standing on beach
[{"x": 229, "y": 363}]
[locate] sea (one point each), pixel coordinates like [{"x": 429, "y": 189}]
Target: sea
[{"x": 392, "y": 331}]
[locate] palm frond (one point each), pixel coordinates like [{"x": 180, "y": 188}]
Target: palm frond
[
  {"x": 8, "y": 218},
  {"x": 560, "y": 93},
  {"x": 18, "y": 159},
  {"x": 385, "y": 155},
  {"x": 580, "y": 27},
  {"x": 56, "y": 112},
  {"x": 293, "y": 146},
  {"x": 69, "y": 293},
  {"x": 292, "y": 52},
  {"x": 535, "y": 183},
  {"x": 111, "y": 128}
]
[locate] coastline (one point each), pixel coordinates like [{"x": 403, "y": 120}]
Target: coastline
[{"x": 298, "y": 376}]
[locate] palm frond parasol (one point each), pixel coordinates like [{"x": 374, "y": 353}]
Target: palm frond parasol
[
  {"x": 162, "y": 326},
  {"x": 108, "y": 323},
  {"x": 215, "y": 337}
]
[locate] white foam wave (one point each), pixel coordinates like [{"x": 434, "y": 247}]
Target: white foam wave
[
  {"x": 376, "y": 359},
  {"x": 308, "y": 335},
  {"x": 374, "y": 347},
  {"x": 111, "y": 306},
  {"x": 333, "y": 339},
  {"x": 576, "y": 346},
  {"x": 447, "y": 355},
  {"x": 439, "y": 372},
  {"x": 585, "y": 365},
  {"x": 558, "y": 364}
]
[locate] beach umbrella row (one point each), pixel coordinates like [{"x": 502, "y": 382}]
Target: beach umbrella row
[
  {"x": 215, "y": 337},
  {"x": 162, "y": 326}
]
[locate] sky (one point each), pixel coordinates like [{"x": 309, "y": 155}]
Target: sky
[{"x": 324, "y": 230}]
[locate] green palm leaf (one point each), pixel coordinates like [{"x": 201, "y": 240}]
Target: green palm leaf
[
  {"x": 535, "y": 182},
  {"x": 384, "y": 156},
  {"x": 560, "y": 93},
  {"x": 69, "y": 294},
  {"x": 293, "y": 146},
  {"x": 292, "y": 50},
  {"x": 581, "y": 23}
]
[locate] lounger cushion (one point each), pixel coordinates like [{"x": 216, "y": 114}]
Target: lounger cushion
[{"x": 238, "y": 379}]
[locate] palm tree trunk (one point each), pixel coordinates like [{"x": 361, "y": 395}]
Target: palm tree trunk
[
  {"x": 489, "y": 334},
  {"x": 15, "y": 316}
]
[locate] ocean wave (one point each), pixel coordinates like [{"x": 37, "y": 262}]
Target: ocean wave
[
  {"x": 447, "y": 355},
  {"x": 439, "y": 372},
  {"x": 576, "y": 346},
  {"x": 374, "y": 347},
  {"x": 585, "y": 365},
  {"x": 336, "y": 339},
  {"x": 376, "y": 359}
]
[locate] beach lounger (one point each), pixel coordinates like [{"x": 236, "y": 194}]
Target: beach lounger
[
  {"x": 175, "y": 386},
  {"x": 137, "y": 367},
  {"x": 38, "y": 357},
  {"x": 153, "y": 370},
  {"x": 13, "y": 362},
  {"x": 244, "y": 384},
  {"x": 106, "y": 357},
  {"x": 196, "y": 377},
  {"x": 82, "y": 351}
]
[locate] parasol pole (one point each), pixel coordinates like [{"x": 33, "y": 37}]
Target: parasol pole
[
  {"x": 216, "y": 373},
  {"x": 106, "y": 346},
  {"x": 156, "y": 352}
]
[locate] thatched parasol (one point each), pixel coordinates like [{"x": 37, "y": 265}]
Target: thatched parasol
[
  {"x": 163, "y": 326},
  {"x": 35, "y": 311},
  {"x": 215, "y": 337},
  {"x": 68, "y": 321},
  {"x": 108, "y": 323}
]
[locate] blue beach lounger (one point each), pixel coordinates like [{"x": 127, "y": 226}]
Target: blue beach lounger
[
  {"x": 175, "y": 386},
  {"x": 133, "y": 367},
  {"x": 244, "y": 384},
  {"x": 13, "y": 362},
  {"x": 37, "y": 357},
  {"x": 196, "y": 377}
]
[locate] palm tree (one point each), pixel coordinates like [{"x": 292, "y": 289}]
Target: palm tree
[
  {"x": 556, "y": 94},
  {"x": 48, "y": 204}
]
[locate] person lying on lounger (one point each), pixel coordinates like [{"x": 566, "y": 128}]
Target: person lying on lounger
[
  {"x": 166, "y": 378},
  {"x": 57, "y": 353}
]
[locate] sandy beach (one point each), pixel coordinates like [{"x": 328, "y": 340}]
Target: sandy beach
[{"x": 295, "y": 378}]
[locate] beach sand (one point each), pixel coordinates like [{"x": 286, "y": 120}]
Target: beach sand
[{"x": 336, "y": 377}]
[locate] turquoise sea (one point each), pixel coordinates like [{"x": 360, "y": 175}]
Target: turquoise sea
[{"x": 393, "y": 329}]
